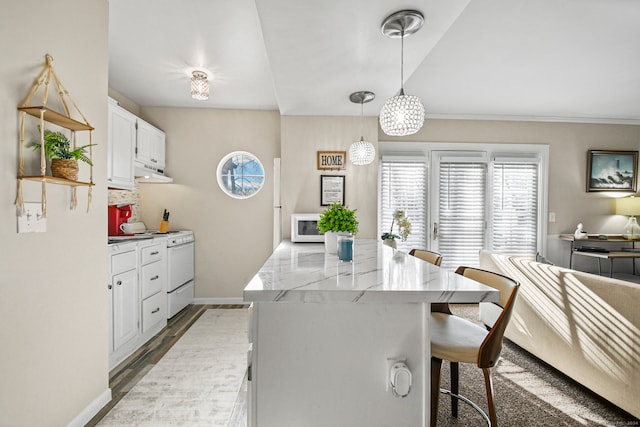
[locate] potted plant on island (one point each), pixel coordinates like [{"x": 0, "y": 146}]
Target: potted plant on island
[
  {"x": 404, "y": 229},
  {"x": 64, "y": 160},
  {"x": 335, "y": 220}
]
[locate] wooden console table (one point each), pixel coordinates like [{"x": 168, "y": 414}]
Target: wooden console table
[{"x": 611, "y": 255}]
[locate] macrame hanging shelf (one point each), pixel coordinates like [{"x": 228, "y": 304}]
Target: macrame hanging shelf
[{"x": 45, "y": 80}]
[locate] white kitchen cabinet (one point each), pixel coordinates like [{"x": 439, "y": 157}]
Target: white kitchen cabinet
[
  {"x": 150, "y": 146},
  {"x": 138, "y": 295},
  {"x": 153, "y": 279},
  {"x": 120, "y": 147},
  {"x": 154, "y": 311},
  {"x": 125, "y": 308}
]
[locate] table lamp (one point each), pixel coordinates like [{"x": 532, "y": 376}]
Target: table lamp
[{"x": 629, "y": 206}]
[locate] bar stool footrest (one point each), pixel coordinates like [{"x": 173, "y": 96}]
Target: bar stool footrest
[{"x": 468, "y": 402}]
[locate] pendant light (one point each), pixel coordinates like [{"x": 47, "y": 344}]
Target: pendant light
[
  {"x": 402, "y": 114},
  {"x": 362, "y": 152},
  {"x": 199, "y": 86}
]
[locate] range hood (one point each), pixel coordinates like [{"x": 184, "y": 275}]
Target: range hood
[{"x": 146, "y": 174}]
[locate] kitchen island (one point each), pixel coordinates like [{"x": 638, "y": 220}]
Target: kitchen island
[{"x": 325, "y": 333}]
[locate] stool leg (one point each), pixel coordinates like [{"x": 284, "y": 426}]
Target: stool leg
[
  {"x": 436, "y": 365},
  {"x": 489, "y": 386},
  {"x": 454, "y": 367}
]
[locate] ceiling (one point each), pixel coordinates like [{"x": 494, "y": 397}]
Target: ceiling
[{"x": 576, "y": 60}]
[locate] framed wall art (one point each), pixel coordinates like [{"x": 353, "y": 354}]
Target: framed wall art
[
  {"x": 331, "y": 189},
  {"x": 612, "y": 170},
  {"x": 332, "y": 160}
]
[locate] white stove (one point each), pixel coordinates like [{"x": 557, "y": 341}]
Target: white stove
[
  {"x": 175, "y": 238},
  {"x": 180, "y": 271}
]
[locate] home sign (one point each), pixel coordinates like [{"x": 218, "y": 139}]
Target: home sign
[{"x": 332, "y": 160}]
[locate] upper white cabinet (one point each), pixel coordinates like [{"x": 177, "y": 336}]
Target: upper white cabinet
[
  {"x": 121, "y": 146},
  {"x": 134, "y": 145},
  {"x": 150, "y": 146}
]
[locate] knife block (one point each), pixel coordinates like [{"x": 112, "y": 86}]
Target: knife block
[{"x": 164, "y": 226}]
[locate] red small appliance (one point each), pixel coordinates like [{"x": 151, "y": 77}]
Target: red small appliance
[{"x": 118, "y": 214}]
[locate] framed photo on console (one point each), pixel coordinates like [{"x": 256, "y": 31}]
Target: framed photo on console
[
  {"x": 331, "y": 189},
  {"x": 612, "y": 171}
]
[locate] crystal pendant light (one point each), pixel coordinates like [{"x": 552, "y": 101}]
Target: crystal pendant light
[
  {"x": 402, "y": 114},
  {"x": 199, "y": 86},
  {"x": 362, "y": 152}
]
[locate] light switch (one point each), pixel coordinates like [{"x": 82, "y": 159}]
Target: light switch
[{"x": 32, "y": 220}]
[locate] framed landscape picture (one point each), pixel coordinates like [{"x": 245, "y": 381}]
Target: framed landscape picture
[{"x": 612, "y": 170}]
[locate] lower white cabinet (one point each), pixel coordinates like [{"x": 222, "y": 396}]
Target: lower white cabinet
[
  {"x": 125, "y": 307},
  {"x": 137, "y": 295},
  {"x": 154, "y": 311}
]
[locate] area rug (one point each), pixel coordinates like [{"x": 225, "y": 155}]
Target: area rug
[{"x": 197, "y": 382}]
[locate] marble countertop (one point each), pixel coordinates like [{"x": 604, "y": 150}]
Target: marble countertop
[{"x": 303, "y": 272}]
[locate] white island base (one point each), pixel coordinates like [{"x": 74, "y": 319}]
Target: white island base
[
  {"x": 316, "y": 364},
  {"x": 324, "y": 334}
]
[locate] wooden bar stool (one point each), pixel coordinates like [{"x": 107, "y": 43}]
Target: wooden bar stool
[
  {"x": 459, "y": 340},
  {"x": 432, "y": 257}
]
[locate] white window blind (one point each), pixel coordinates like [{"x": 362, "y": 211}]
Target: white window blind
[
  {"x": 514, "y": 207},
  {"x": 403, "y": 186},
  {"x": 461, "y": 212}
]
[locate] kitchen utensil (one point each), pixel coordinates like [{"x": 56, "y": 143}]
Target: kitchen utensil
[{"x": 164, "y": 224}]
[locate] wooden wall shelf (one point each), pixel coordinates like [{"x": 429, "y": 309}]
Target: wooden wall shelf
[
  {"x": 56, "y": 118},
  {"x": 53, "y": 180}
]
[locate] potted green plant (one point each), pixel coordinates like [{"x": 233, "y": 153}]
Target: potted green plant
[
  {"x": 64, "y": 160},
  {"x": 336, "y": 219}
]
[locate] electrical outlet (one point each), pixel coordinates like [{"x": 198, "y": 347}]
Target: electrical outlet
[
  {"x": 32, "y": 221},
  {"x": 390, "y": 362},
  {"x": 552, "y": 217}
]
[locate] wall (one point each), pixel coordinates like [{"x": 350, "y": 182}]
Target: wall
[
  {"x": 198, "y": 138},
  {"x": 233, "y": 237},
  {"x": 302, "y": 138},
  {"x": 53, "y": 293}
]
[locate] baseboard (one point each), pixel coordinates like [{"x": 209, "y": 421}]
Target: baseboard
[
  {"x": 91, "y": 410},
  {"x": 236, "y": 300}
]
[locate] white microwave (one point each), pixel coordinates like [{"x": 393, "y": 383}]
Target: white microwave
[{"x": 304, "y": 228}]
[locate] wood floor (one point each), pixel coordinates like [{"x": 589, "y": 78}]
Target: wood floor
[{"x": 124, "y": 376}]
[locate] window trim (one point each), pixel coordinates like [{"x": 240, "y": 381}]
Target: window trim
[
  {"x": 418, "y": 159},
  {"x": 514, "y": 151}
]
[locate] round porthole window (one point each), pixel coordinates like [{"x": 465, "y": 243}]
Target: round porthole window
[{"x": 240, "y": 174}]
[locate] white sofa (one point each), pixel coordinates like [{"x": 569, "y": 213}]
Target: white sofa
[{"x": 586, "y": 326}]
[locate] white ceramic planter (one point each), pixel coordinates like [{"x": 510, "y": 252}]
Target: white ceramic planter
[
  {"x": 331, "y": 241},
  {"x": 390, "y": 242}
]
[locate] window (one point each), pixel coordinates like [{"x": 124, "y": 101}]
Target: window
[
  {"x": 403, "y": 185},
  {"x": 240, "y": 175},
  {"x": 514, "y": 207},
  {"x": 461, "y": 211},
  {"x": 492, "y": 199}
]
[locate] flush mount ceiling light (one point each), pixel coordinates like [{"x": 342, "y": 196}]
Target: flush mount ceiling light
[
  {"x": 402, "y": 114},
  {"x": 362, "y": 152},
  {"x": 199, "y": 86}
]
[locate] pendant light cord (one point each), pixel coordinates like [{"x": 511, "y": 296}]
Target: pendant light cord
[
  {"x": 362, "y": 119},
  {"x": 402, "y": 62}
]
